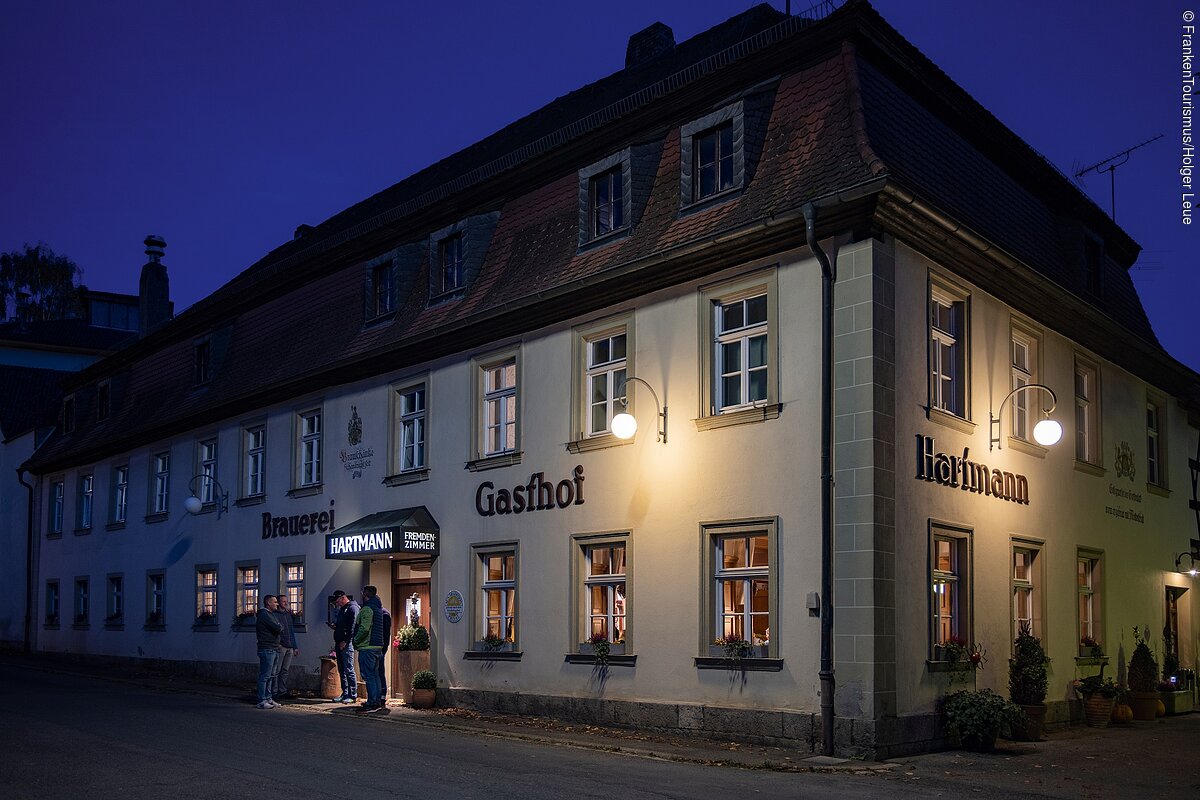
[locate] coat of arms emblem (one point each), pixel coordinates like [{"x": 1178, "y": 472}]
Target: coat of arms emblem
[
  {"x": 1124, "y": 462},
  {"x": 354, "y": 429}
]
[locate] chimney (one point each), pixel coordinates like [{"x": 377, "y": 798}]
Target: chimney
[
  {"x": 302, "y": 230},
  {"x": 649, "y": 43},
  {"x": 154, "y": 295}
]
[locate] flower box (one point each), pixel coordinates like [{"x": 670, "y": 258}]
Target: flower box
[
  {"x": 614, "y": 649},
  {"x": 1177, "y": 702}
]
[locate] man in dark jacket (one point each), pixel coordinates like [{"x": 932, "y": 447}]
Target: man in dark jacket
[
  {"x": 343, "y": 642},
  {"x": 267, "y": 629},
  {"x": 288, "y": 650},
  {"x": 372, "y": 633}
]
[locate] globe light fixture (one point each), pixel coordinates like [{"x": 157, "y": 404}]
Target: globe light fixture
[
  {"x": 220, "y": 497},
  {"x": 624, "y": 425},
  {"x": 1193, "y": 557},
  {"x": 1046, "y": 432}
]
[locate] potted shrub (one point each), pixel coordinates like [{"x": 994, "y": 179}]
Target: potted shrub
[
  {"x": 1099, "y": 696},
  {"x": 1143, "y": 679},
  {"x": 977, "y": 718},
  {"x": 424, "y": 686},
  {"x": 411, "y": 637},
  {"x": 1090, "y": 648},
  {"x": 1175, "y": 699},
  {"x": 412, "y": 652},
  {"x": 495, "y": 644},
  {"x": 1027, "y": 684}
]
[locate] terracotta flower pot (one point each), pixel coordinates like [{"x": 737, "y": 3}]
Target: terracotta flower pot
[
  {"x": 1035, "y": 718},
  {"x": 1145, "y": 705},
  {"x": 423, "y": 698},
  {"x": 1097, "y": 710}
]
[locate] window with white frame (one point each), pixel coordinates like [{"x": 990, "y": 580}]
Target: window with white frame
[
  {"x": 500, "y": 407},
  {"x": 1088, "y": 587},
  {"x": 120, "y": 493},
  {"x": 606, "y": 372},
  {"x": 254, "y": 464},
  {"x": 156, "y": 599},
  {"x": 947, "y": 352},
  {"x": 951, "y": 589},
  {"x": 309, "y": 447},
  {"x": 52, "y": 609},
  {"x": 82, "y": 602},
  {"x": 207, "y": 456},
  {"x": 160, "y": 496},
  {"x": 115, "y": 604},
  {"x": 206, "y": 595},
  {"x": 497, "y": 571},
  {"x": 291, "y": 586},
  {"x": 606, "y": 607},
  {"x": 87, "y": 486},
  {"x": 1155, "y": 463},
  {"x": 742, "y": 586},
  {"x": 741, "y": 356},
  {"x": 1024, "y": 352},
  {"x": 712, "y": 154},
  {"x": 58, "y": 491},
  {"x": 410, "y": 429},
  {"x": 1026, "y": 588},
  {"x": 247, "y": 591},
  {"x": 1087, "y": 413}
]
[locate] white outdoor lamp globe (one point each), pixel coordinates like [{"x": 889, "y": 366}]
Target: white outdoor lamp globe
[
  {"x": 624, "y": 426},
  {"x": 193, "y": 505},
  {"x": 1047, "y": 432}
]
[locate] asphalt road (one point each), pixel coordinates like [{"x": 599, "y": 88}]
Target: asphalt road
[{"x": 72, "y": 736}]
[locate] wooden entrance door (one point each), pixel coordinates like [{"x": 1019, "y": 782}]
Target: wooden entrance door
[{"x": 409, "y": 596}]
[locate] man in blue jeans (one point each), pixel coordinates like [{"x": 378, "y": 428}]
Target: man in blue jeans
[
  {"x": 267, "y": 628},
  {"x": 372, "y": 632},
  {"x": 343, "y": 642}
]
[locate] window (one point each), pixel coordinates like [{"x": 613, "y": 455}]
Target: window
[
  {"x": 1155, "y": 463},
  {"x": 103, "y": 400},
  {"x": 52, "y": 603},
  {"x": 105, "y": 314},
  {"x": 947, "y": 353},
  {"x": 741, "y": 353},
  {"x": 1088, "y": 577},
  {"x": 450, "y": 261},
  {"x": 201, "y": 362},
  {"x": 1087, "y": 414},
  {"x": 740, "y": 573},
  {"x": 604, "y": 586},
  {"x": 254, "y": 440},
  {"x": 116, "y": 600},
  {"x": 87, "y": 484},
  {"x": 1024, "y": 372},
  {"x": 68, "y": 414},
  {"x": 310, "y": 448},
  {"x": 82, "y": 610},
  {"x": 712, "y": 157},
  {"x": 606, "y": 203},
  {"x": 207, "y": 454},
  {"x": 206, "y": 595},
  {"x": 712, "y": 153},
  {"x": 291, "y": 586},
  {"x": 382, "y": 299},
  {"x": 411, "y": 428},
  {"x": 500, "y": 407},
  {"x": 951, "y": 588},
  {"x": 1026, "y": 588},
  {"x": 156, "y": 598},
  {"x": 120, "y": 493},
  {"x": 162, "y": 483},
  {"x": 57, "y": 497},
  {"x": 498, "y": 595},
  {"x": 606, "y": 371},
  {"x": 247, "y": 590}
]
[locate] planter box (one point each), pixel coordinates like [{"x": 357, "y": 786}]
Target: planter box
[
  {"x": 1145, "y": 705},
  {"x": 614, "y": 649},
  {"x": 757, "y": 651},
  {"x": 507, "y": 647},
  {"x": 407, "y": 664},
  {"x": 1177, "y": 702}
]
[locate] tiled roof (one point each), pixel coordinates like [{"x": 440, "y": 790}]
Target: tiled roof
[
  {"x": 74, "y": 334},
  {"x": 29, "y": 399}
]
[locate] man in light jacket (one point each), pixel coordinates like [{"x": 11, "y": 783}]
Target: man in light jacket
[{"x": 288, "y": 650}]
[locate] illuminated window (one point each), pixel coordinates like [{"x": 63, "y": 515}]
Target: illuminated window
[
  {"x": 605, "y": 390},
  {"x": 291, "y": 586},
  {"x": 951, "y": 589},
  {"x": 206, "y": 596},
  {"x": 1088, "y": 587},
  {"x": 498, "y": 595},
  {"x": 247, "y": 590},
  {"x": 1026, "y": 589},
  {"x": 1087, "y": 413},
  {"x": 947, "y": 352},
  {"x": 500, "y": 407},
  {"x": 604, "y": 587},
  {"x": 741, "y": 352},
  {"x": 739, "y": 566},
  {"x": 411, "y": 430}
]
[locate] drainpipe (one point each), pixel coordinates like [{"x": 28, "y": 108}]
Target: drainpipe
[
  {"x": 28, "y": 563},
  {"x": 828, "y": 276}
]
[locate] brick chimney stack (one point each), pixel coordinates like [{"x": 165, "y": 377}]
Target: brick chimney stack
[
  {"x": 649, "y": 43},
  {"x": 154, "y": 295}
]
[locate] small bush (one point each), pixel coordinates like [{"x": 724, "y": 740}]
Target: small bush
[
  {"x": 978, "y": 717},
  {"x": 1027, "y": 670},
  {"x": 412, "y": 637},
  {"x": 424, "y": 680},
  {"x": 1143, "y": 669}
]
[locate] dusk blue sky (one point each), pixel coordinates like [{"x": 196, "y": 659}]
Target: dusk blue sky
[{"x": 221, "y": 126}]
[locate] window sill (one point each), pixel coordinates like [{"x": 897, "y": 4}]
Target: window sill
[
  {"x": 50, "y": 626},
  {"x": 114, "y": 626},
  {"x": 406, "y": 478},
  {"x": 380, "y": 319},
  {"x": 54, "y": 535},
  {"x": 741, "y": 665},
  {"x": 598, "y": 442},
  {"x": 252, "y": 500},
  {"x": 81, "y": 626},
  {"x": 206, "y": 508},
  {"x": 306, "y": 491},
  {"x": 1091, "y": 661},
  {"x": 954, "y": 421},
  {"x": 210, "y": 627},
  {"x": 154, "y": 627},
  {"x": 83, "y": 531},
  {"x": 1090, "y": 468},
  {"x": 446, "y": 297},
  {"x": 589, "y": 658},
  {"x": 1026, "y": 447},
  {"x": 597, "y": 242},
  {"x": 493, "y": 655},
  {"x": 160, "y": 516},
  {"x": 1161, "y": 491},
  {"x": 115, "y": 526},
  {"x": 744, "y": 417},
  {"x": 495, "y": 462},
  {"x": 710, "y": 200},
  {"x": 949, "y": 666}
]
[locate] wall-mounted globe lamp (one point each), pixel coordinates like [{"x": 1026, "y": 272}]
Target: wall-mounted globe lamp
[
  {"x": 220, "y": 497},
  {"x": 1046, "y": 433},
  {"x": 624, "y": 425},
  {"x": 1191, "y": 558}
]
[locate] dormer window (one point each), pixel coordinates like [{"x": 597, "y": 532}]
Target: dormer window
[
  {"x": 456, "y": 255},
  {"x": 712, "y": 153},
  {"x": 606, "y": 202},
  {"x": 712, "y": 157},
  {"x": 381, "y": 282},
  {"x": 201, "y": 362},
  {"x": 103, "y": 400},
  {"x": 68, "y": 414},
  {"x": 450, "y": 261},
  {"x": 387, "y": 280}
]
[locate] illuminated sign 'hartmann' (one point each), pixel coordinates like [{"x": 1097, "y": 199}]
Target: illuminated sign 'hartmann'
[
  {"x": 970, "y": 476},
  {"x": 360, "y": 543}
]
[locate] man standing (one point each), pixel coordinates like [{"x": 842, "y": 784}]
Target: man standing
[
  {"x": 343, "y": 642},
  {"x": 287, "y": 641},
  {"x": 371, "y": 634},
  {"x": 267, "y": 629}
]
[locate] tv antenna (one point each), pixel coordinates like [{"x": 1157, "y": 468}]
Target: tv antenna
[{"x": 1110, "y": 165}]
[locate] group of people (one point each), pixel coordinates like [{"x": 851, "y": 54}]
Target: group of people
[{"x": 365, "y": 630}]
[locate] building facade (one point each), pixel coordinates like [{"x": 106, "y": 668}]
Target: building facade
[{"x": 420, "y": 394}]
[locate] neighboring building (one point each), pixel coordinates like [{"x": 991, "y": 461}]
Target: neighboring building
[{"x": 419, "y": 393}]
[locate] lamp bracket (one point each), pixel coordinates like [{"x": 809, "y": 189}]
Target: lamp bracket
[{"x": 994, "y": 432}]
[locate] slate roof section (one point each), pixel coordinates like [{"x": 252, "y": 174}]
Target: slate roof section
[
  {"x": 73, "y": 334},
  {"x": 30, "y": 399}
]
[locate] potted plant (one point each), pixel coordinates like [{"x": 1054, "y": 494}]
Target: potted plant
[
  {"x": 412, "y": 652},
  {"x": 1099, "y": 695},
  {"x": 1143, "y": 679},
  {"x": 494, "y": 644},
  {"x": 245, "y": 618},
  {"x": 963, "y": 657},
  {"x": 206, "y": 618},
  {"x": 736, "y": 648},
  {"x": 411, "y": 637},
  {"x": 1176, "y": 700},
  {"x": 1090, "y": 648},
  {"x": 977, "y": 717},
  {"x": 1027, "y": 683},
  {"x": 424, "y": 689},
  {"x": 600, "y": 647}
]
